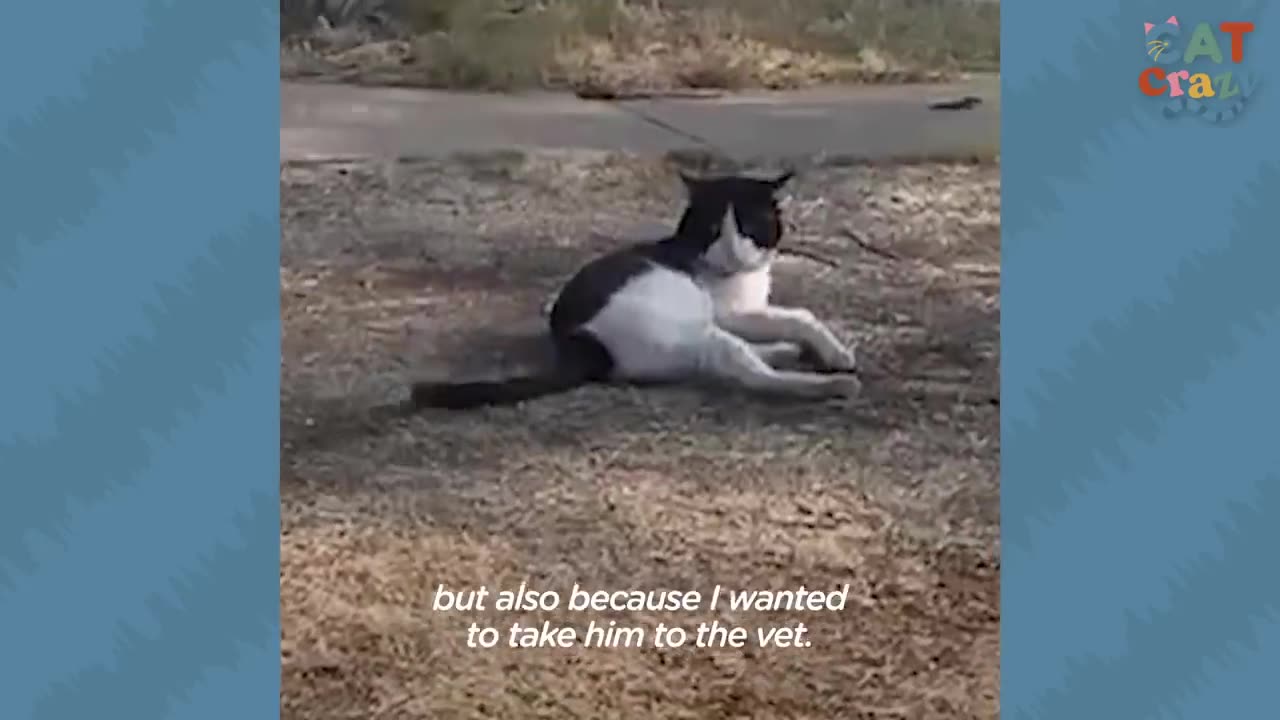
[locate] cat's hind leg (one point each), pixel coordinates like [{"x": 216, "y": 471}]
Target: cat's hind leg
[{"x": 727, "y": 358}]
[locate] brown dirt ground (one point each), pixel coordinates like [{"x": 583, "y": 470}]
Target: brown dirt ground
[{"x": 387, "y": 271}]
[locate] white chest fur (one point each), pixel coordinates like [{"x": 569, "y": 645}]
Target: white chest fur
[{"x": 743, "y": 292}]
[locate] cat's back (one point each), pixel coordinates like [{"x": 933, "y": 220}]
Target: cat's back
[{"x": 601, "y": 280}]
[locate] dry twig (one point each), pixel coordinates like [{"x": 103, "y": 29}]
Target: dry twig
[{"x": 868, "y": 246}]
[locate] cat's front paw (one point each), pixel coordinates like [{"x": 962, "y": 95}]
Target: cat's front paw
[
  {"x": 837, "y": 358},
  {"x": 781, "y": 355},
  {"x": 843, "y": 386}
]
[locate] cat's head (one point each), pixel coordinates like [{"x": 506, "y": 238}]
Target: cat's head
[
  {"x": 1158, "y": 37},
  {"x": 734, "y": 221}
]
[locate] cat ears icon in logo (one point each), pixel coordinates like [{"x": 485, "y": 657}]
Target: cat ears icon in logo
[
  {"x": 1171, "y": 21},
  {"x": 1159, "y": 45},
  {"x": 1199, "y": 81}
]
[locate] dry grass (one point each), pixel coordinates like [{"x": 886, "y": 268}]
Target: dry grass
[
  {"x": 389, "y": 273},
  {"x": 612, "y": 47}
]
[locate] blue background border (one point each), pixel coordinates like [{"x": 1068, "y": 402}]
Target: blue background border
[
  {"x": 139, "y": 368},
  {"x": 139, "y": 360},
  {"x": 1141, "y": 346}
]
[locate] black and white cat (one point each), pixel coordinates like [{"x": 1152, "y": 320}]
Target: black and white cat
[{"x": 694, "y": 305}]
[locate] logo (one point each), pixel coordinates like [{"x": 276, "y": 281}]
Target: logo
[{"x": 1190, "y": 75}]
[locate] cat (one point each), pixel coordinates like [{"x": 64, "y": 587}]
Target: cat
[
  {"x": 1158, "y": 45},
  {"x": 694, "y": 305}
]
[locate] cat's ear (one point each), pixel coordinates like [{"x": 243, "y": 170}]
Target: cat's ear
[
  {"x": 691, "y": 183},
  {"x": 1146, "y": 27},
  {"x": 780, "y": 181},
  {"x": 1173, "y": 20}
]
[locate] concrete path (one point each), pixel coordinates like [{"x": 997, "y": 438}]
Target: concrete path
[{"x": 321, "y": 122}]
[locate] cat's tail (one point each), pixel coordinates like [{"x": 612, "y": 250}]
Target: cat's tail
[
  {"x": 579, "y": 360},
  {"x": 509, "y": 391}
]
